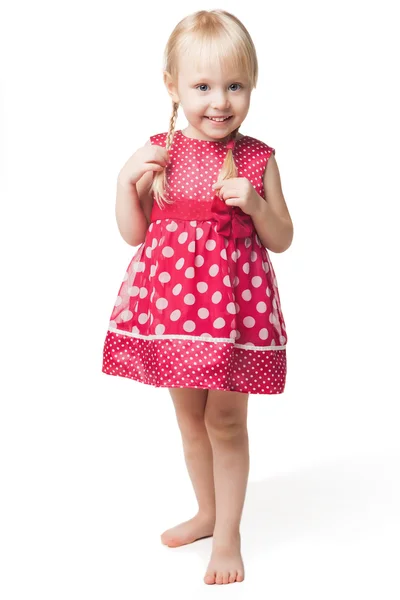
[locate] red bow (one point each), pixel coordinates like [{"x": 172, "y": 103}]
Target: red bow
[{"x": 231, "y": 219}]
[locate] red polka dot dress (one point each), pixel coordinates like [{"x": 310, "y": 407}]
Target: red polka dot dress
[{"x": 199, "y": 304}]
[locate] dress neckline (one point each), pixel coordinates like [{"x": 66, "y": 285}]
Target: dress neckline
[{"x": 205, "y": 141}]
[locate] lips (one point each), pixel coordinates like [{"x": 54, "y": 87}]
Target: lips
[{"x": 219, "y": 119}]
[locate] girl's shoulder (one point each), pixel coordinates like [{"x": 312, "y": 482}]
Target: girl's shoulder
[
  {"x": 159, "y": 139},
  {"x": 258, "y": 145}
]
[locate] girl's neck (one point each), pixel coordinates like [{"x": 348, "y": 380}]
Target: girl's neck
[{"x": 192, "y": 137}]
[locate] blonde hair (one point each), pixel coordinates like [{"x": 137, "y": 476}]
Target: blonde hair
[{"x": 209, "y": 37}]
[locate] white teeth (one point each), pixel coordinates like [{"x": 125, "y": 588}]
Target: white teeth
[{"x": 218, "y": 119}]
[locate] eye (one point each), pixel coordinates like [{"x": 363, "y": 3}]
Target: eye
[{"x": 203, "y": 85}]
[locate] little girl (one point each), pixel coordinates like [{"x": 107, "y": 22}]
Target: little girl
[{"x": 199, "y": 310}]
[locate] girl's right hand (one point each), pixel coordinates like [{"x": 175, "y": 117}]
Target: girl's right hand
[{"x": 147, "y": 158}]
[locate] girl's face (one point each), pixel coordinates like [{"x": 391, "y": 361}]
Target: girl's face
[{"x": 210, "y": 93}]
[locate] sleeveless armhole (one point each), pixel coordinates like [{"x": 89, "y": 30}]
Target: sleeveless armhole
[{"x": 267, "y": 152}]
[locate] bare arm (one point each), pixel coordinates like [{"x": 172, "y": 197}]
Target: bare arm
[
  {"x": 273, "y": 221},
  {"x": 133, "y": 205}
]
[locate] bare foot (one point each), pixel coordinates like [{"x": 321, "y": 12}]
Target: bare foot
[
  {"x": 189, "y": 531},
  {"x": 226, "y": 564}
]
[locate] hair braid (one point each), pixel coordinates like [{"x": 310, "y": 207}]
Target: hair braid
[{"x": 159, "y": 185}]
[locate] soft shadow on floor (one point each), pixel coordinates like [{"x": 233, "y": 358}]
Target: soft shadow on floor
[{"x": 332, "y": 499}]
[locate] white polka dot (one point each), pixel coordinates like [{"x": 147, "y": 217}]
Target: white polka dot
[
  {"x": 219, "y": 323},
  {"x": 167, "y": 251},
  {"x": 138, "y": 267},
  {"x": 246, "y": 268},
  {"x": 268, "y": 292},
  {"x": 183, "y": 237},
  {"x": 162, "y": 303},
  {"x": 164, "y": 277},
  {"x": 214, "y": 270},
  {"x": 273, "y": 319},
  {"x": 247, "y": 242},
  {"x": 227, "y": 281},
  {"x": 246, "y": 295},
  {"x": 235, "y": 281},
  {"x": 231, "y": 308},
  {"x": 179, "y": 263},
  {"x": 189, "y": 273},
  {"x": 175, "y": 315},
  {"x": 253, "y": 256},
  {"x": 153, "y": 270},
  {"x": 189, "y": 326},
  {"x": 256, "y": 281},
  {"x": 148, "y": 252},
  {"x": 192, "y": 246},
  {"x": 234, "y": 256},
  {"x": 118, "y": 301},
  {"x": 177, "y": 289},
  {"x": 199, "y": 233},
  {"x": 203, "y": 313},
  {"x": 126, "y": 315},
  {"x": 216, "y": 297},
  {"x": 143, "y": 318},
  {"x": 249, "y": 322},
  {"x": 210, "y": 244},
  {"x": 154, "y": 243},
  {"x": 261, "y": 307},
  {"x": 189, "y": 299},
  {"x": 172, "y": 226},
  {"x": 223, "y": 254},
  {"x": 160, "y": 329},
  {"x": 202, "y": 287},
  {"x": 263, "y": 333},
  {"x": 199, "y": 261},
  {"x": 133, "y": 291},
  {"x": 143, "y": 292}
]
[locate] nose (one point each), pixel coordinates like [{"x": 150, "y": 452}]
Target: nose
[{"x": 220, "y": 100}]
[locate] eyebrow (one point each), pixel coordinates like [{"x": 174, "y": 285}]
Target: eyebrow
[{"x": 205, "y": 78}]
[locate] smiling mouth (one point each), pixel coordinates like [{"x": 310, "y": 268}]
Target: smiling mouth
[{"x": 219, "y": 119}]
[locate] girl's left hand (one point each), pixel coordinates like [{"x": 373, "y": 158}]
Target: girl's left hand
[{"x": 238, "y": 191}]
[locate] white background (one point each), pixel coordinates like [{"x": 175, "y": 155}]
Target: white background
[{"x": 92, "y": 469}]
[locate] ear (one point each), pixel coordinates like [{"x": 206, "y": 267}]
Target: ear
[{"x": 171, "y": 87}]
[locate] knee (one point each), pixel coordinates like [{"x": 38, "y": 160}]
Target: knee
[
  {"x": 192, "y": 427},
  {"x": 225, "y": 424}
]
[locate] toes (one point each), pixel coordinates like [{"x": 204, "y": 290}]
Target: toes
[
  {"x": 240, "y": 576},
  {"x": 218, "y": 578},
  {"x": 209, "y": 578},
  {"x": 232, "y": 577},
  {"x": 225, "y": 577}
]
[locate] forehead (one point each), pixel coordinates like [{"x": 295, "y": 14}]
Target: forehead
[
  {"x": 191, "y": 69},
  {"x": 211, "y": 58}
]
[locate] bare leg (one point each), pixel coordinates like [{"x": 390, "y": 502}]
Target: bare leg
[
  {"x": 189, "y": 406},
  {"x": 226, "y": 422}
]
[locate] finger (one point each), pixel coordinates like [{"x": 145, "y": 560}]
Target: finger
[{"x": 153, "y": 167}]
